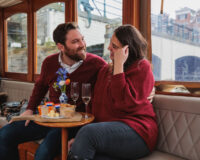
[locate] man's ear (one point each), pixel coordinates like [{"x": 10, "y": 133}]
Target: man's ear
[{"x": 60, "y": 47}]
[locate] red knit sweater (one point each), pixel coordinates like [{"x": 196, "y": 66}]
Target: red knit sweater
[
  {"x": 123, "y": 97},
  {"x": 86, "y": 73}
]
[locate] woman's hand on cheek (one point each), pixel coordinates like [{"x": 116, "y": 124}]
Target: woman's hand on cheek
[{"x": 121, "y": 55}]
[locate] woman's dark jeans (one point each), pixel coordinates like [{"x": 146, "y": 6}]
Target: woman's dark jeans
[
  {"x": 15, "y": 133},
  {"x": 108, "y": 141}
]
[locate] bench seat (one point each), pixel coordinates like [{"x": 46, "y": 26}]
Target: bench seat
[
  {"x": 178, "y": 123},
  {"x": 157, "y": 155}
]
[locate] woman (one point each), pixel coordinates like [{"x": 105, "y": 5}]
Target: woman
[{"x": 126, "y": 123}]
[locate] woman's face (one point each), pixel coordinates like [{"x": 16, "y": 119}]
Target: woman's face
[{"x": 113, "y": 46}]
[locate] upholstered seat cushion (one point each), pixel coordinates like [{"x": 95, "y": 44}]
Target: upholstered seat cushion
[{"x": 157, "y": 155}]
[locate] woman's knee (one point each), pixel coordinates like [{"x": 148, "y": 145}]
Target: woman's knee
[{"x": 88, "y": 130}]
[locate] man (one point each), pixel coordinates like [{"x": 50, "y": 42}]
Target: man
[{"x": 82, "y": 67}]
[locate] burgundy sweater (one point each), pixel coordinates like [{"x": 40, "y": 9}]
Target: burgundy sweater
[
  {"x": 123, "y": 97},
  {"x": 86, "y": 73}
]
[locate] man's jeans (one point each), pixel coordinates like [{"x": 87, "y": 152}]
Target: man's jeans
[
  {"x": 15, "y": 133},
  {"x": 108, "y": 141}
]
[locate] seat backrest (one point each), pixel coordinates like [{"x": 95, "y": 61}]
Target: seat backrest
[
  {"x": 179, "y": 125},
  {"x": 17, "y": 90}
]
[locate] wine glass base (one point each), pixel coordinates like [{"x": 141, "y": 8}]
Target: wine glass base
[{"x": 86, "y": 116}]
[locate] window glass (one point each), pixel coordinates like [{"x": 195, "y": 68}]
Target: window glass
[
  {"x": 17, "y": 43},
  {"x": 176, "y": 40},
  {"x": 48, "y": 18},
  {"x": 97, "y": 20}
]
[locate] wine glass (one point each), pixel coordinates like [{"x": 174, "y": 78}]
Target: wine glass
[
  {"x": 74, "y": 92},
  {"x": 86, "y": 95}
]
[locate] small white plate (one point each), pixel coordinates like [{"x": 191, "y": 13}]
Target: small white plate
[{"x": 52, "y": 117}]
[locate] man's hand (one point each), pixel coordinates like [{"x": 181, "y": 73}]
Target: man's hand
[
  {"x": 152, "y": 94},
  {"x": 27, "y": 112},
  {"x": 70, "y": 142}
]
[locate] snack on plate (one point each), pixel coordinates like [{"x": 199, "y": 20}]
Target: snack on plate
[
  {"x": 39, "y": 110},
  {"x": 53, "y": 114},
  {"x": 49, "y": 104},
  {"x": 67, "y": 110},
  {"x": 55, "y": 111},
  {"x": 44, "y": 110}
]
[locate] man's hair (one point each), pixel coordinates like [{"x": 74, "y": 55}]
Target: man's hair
[
  {"x": 129, "y": 35},
  {"x": 59, "y": 34}
]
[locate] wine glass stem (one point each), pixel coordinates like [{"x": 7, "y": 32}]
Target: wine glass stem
[
  {"x": 75, "y": 105},
  {"x": 86, "y": 105}
]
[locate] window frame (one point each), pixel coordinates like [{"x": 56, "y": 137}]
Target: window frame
[
  {"x": 163, "y": 82},
  {"x": 29, "y": 7}
]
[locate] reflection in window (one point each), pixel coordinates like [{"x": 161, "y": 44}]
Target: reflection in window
[
  {"x": 176, "y": 34},
  {"x": 48, "y": 18},
  {"x": 17, "y": 43},
  {"x": 97, "y": 20}
]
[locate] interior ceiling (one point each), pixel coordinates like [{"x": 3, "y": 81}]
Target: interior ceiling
[{"x": 7, "y": 3}]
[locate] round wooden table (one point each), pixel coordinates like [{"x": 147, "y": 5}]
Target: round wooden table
[{"x": 64, "y": 126}]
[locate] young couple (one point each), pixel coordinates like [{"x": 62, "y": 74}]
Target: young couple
[{"x": 125, "y": 124}]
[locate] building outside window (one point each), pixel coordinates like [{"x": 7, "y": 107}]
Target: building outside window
[{"x": 48, "y": 17}]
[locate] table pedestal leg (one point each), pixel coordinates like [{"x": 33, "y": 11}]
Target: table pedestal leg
[{"x": 64, "y": 143}]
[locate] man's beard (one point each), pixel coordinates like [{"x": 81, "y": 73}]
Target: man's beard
[{"x": 73, "y": 54}]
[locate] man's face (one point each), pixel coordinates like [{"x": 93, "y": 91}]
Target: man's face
[{"x": 75, "y": 46}]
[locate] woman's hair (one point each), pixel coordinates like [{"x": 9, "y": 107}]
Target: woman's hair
[
  {"x": 59, "y": 34},
  {"x": 129, "y": 35}
]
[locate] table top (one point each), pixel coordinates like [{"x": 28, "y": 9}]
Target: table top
[{"x": 68, "y": 124}]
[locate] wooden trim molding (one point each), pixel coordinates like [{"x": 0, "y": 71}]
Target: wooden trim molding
[
  {"x": 131, "y": 12},
  {"x": 16, "y": 76},
  {"x": 186, "y": 84},
  {"x": 178, "y": 94},
  {"x": 145, "y": 24},
  {"x": 31, "y": 35},
  {"x": 71, "y": 11},
  {"x": 5, "y": 48},
  {"x": 19, "y": 8},
  {"x": 2, "y": 70},
  {"x": 36, "y": 76},
  {"x": 138, "y": 13},
  {"x": 34, "y": 43},
  {"x": 37, "y": 4}
]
